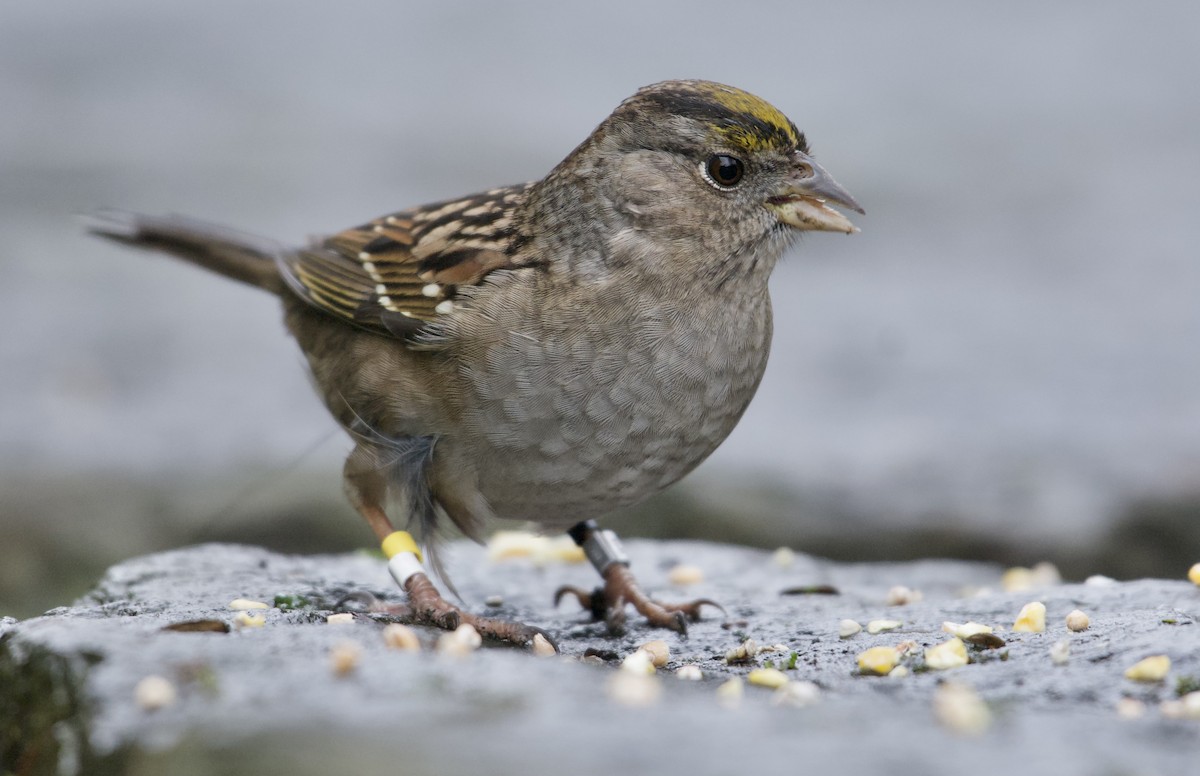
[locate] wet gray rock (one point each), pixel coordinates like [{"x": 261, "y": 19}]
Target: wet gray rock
[{"x": 266, "y": 700}]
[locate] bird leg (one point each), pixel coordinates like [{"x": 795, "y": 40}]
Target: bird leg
[
  {"x": 620, "y": 587},
  {"x": 425, "y": 606}
]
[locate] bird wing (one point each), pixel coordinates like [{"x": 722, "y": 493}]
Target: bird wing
[{"x": 398, "y": 273}]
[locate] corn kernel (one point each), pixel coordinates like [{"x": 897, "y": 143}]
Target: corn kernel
[{"x": 1031, "y": 618}]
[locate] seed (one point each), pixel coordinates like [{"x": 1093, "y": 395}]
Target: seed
[
  {"x": 875, "y": 627},
  {"x": 341, "y": 618},
  {"x": 1060, "y": 653},
  {"x": 729, "y": 693},
  {"x": 246, "y": 620},
  {"x": 689, "y": 673},
  {"x": 901, "y": 595},
  {"x": 948, "y": 654},
  {"x": 401, "y": 637},
  {"x": 631, "y": 689},
  {"x": 1130, "y": 708},
  {"x": 784, "y": 557},
  {"x": 1187, "y": 707},
  {"x": 1031, "y": 618},
  {"x": 960, "y": 709},
  {"x": 742, "y": 653},
  {"x": 344, "y": 657},
  {"x": 1151, "y": 669},
  {"x": 658, "y": 651},
  {"x": 796, "y": 694},
  {"x": 1078, "y": 621},
  {"x": 638, "y": 662},
  {"x": 154, "y": 692},
  {"x": 848, "y": 628},
  {"x": 878, "y": 660},
  {"x": 541, "y": 646},
  {"x": 767, "y": 677},
  {"x": 242, "y": 604},
  {"x": 966, "y": 630},
  {"x": 461, "y": 642},
  {"x": 1194, "y": 574},
  {"x": 683, "y": 575}
]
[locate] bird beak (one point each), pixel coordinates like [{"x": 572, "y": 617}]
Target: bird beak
[{"x": 802, "y": 203}]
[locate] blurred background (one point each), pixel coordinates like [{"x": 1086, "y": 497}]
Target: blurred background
[{"x": 1004, "y": 364}]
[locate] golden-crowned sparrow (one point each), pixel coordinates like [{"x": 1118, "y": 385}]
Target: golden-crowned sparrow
[{"x": 553, "y": 350}]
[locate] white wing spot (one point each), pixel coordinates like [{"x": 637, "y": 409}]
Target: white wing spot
[
  {"x": 433, "y": 289},
  {"x": 444, "y": 307},
  {"x": 386, "y": 301},
  {"x": 381, "y": 289}
]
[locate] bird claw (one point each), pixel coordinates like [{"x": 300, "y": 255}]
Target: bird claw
[
  {"x": 607, "y": 603},
  {"x": 427, "y": 607}
]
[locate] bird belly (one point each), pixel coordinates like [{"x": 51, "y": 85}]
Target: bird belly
[{"x": 561, "y": 430}]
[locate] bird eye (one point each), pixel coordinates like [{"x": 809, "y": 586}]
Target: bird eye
[{"x": 724, "y": 171}]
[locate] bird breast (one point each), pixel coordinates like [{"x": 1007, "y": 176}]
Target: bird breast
[{"x": 570, "y": 410}]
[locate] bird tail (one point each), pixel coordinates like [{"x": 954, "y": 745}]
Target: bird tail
[{"x": 225, "y": 251}]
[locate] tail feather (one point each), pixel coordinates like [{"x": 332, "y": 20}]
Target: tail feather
[{"x": 225, "y": 251}]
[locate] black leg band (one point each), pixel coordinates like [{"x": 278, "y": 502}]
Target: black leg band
[{"x": 601, "y": 546}]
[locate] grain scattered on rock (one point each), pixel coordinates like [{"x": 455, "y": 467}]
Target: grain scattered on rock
[
  {"x": 690, "y": 673},
  {"x": 244, "y": 619},
  {"x": 848, "y": 628},
  {"x": 1130, "y": 708},
  {"x": 402, "y": 637},
  {"x": 1150, "y": 669},
  {"x": 966, "y": 630},
  {"x": 1019, "y": 579},
  {"x": 1031, "y": 618},
  {"x": 245, "y": 604},
  {"x": 875, "y": 627},
  {"x": 659, "y": 652},
  {"x": 154, "y": 692},
  {"x": 947, "y": 655},
  {"x": 541, "y": 550},
  {"x": 638, "y": 662},
  {"x": 729, "y": 693},
  {"x": 901, "y": 595},
  {"x": 783, "y": 557},
  {"x": 344, "y": 657},
  {"x": 960, "y": 709},
  {"x": 684, "y": 575},
  {"x": 634, "y": 689},
  {"x": 742, "y": 653},
  {"x": 541, "y": 646},
  {"x": 1194, "y": 574},
  {"x": 1060, "y": 652},
  {"x": 767, "y": 677},
  {"x": 341, "y": 618},
  {"x": 1078, "y": 621},
  {"x": 1187, "y": 707},
  {"x": 878, "y": 661},
  {"x": 796, "y": 694},
  {"x": 460, "y": 642}
]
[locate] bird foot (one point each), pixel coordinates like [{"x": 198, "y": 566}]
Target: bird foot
[
  {"x": 607, "y": 603},
  {"x": 427, "y": 607}
]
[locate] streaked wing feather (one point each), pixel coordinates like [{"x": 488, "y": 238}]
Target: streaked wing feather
[{"x": 395, "y": 274}]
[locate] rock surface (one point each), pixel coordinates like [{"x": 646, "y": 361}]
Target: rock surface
[{"x": 267, "y": 700}]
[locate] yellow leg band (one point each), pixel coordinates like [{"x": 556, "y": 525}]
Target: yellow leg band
[{"x": 401, "y": 541}]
